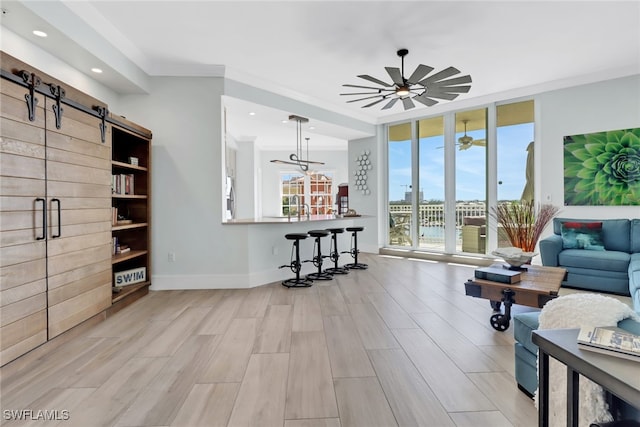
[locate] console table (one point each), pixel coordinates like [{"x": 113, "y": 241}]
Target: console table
[{"x": 619, "y": 376}]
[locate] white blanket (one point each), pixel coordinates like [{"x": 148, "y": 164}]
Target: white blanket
[{"x": 575, "y": 311}]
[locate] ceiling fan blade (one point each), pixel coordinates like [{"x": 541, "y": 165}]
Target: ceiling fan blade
[
  {"x": 441, "y": 75},
  {"x": 374, "y": 102},
  {"x": 419, "y": 74},
  {"x": 455, "y": 81},
  {"x": 367, "y": 87},
  {"x": 479, "y": 142},
  {"x": 366, "y": 97},
  {"x": 450, "y": 89},
  {"x": 441, "y": 95},
  {"x": 395, "y": 75},
  {"x": 408, "y": 103},
  {"x": 361, "y": 93},
  {"x": 424, "y": 99},
  {"x": 390, "y": 103},
  {"x": 374, "y": 80}
]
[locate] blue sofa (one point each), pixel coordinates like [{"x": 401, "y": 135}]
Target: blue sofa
[{"x": 616, "y": 270}]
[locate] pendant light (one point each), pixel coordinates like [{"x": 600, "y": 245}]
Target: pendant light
[{"x": 297, "y": 157}]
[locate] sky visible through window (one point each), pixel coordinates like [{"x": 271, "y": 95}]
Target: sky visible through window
[{"x": 471, "y": 174}]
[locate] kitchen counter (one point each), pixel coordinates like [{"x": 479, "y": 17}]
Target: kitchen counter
[{"x": 292, "y": 220}]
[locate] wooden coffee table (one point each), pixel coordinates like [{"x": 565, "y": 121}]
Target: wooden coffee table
[{"x": 537, "y": 286}]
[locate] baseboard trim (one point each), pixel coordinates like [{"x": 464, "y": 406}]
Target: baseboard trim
[
  {"x": 165, "y": 282},
  {"x": 170, "y": 282}
]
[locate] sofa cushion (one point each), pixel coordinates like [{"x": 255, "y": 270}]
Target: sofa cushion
[
  {"x": 635, "y": 236},
  {"x": 600, "y": 260},
  {"x": 526, "y": 371},
  {"x": 582, "y": 235},
  {"x": 634, "y": 281},
  {"x": 610, "y": 282},
  {"x": 616, "y": 232},
  {"x": 523, "y": 324}
]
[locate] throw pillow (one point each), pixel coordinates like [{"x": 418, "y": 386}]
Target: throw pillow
[{"x": 582, "y": 235}]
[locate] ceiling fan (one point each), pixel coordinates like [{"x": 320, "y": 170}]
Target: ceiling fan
[
  {"x": 465, "y": 141},
  {"x": 418, "y": 87}
]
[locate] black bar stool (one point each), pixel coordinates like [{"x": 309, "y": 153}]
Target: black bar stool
[
  {"x": 355, "y": 265},
  {"x": 296, "y": 265},
  {"x": 334, "y": 255},
  {"x": 317, "y": 256}
]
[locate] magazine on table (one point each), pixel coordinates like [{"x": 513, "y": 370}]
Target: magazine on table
[{"x": 610, "y": 340}]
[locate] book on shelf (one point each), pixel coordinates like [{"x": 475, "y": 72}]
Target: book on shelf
[
  {"x": 497, "y": 274},
  {"x": 122, "y": 183},
  {"x": 610, "y": 340}
]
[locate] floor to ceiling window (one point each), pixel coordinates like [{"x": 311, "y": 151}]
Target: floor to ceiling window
[
  {"x": 431, "y": 183},
  {"x": 400, "y": 185},
  {"x": 458, "y": 176},
  {"x": 515, "y": 151},
  {"x": 471, "y": 180}
]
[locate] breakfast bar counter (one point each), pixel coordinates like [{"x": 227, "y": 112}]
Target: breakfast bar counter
[{"x": 291, "y": 220}]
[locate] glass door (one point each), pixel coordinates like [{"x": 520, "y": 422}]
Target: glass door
[
  {"x": 431, "y": 231},
  {"x": 471, "y": 181}
]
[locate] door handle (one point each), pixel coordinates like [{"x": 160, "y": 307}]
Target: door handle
[
  {"x": 59, "y": 216},
  {"x": 44, "y": 218}
]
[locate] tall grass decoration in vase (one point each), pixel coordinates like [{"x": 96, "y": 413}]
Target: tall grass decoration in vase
[{"x": 523, "y": 222}]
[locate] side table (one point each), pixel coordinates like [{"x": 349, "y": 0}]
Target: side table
[{"x": 619, "y": 376}]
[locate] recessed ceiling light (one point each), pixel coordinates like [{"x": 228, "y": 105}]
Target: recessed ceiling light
[
  {"x": 312, "y": 127},
  {"x": 39, "y": 33},
  {"x": 252, "y": 113},
  {"x": 96, "y": 70},
  {"x": 285, "y": 121}
]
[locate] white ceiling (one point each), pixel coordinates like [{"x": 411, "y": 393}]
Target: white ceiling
[{"x": 306, "y": 50}]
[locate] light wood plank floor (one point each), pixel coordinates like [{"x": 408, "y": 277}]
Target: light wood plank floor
[{"x": 397, "y": 344}]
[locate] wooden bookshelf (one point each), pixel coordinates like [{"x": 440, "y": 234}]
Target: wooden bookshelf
[{"x": 130, "y": 140}]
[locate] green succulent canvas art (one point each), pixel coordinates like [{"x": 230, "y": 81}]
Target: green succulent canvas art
[{"x": 602, "y": 168}]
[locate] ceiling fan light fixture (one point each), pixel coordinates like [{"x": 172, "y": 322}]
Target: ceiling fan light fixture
[
  {"x": 403, "y": 91},
  {"x": 428, "y": 88}
]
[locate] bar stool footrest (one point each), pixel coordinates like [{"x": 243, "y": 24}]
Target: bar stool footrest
[
  {"x": 319, "y": 276},
  {"x": 356, "y": 266},
  {"x": 337, "y": 270},
  {"x": 297, "y": 283}
]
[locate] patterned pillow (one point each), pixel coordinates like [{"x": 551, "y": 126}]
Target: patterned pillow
[{"x": 582, "y": 235}]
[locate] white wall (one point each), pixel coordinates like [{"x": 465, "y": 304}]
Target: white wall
[
  {"x": 246, "y": 177},
  {"x": 368, "y": 205},
  {"x": 185, "y": 117},
  {"x": 609, "y": 105}
]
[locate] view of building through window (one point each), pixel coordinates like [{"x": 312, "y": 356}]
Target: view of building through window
[{"x": 311, "y": 194}]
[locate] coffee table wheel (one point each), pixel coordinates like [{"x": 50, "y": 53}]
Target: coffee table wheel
[
  {"x": 500, "y": 322},
  {"x": 495, "y": 305}
]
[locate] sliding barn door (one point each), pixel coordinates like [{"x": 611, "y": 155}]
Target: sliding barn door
[
  {"x": 79, "y": 226},
  {"x": 23, "y": 210}
]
